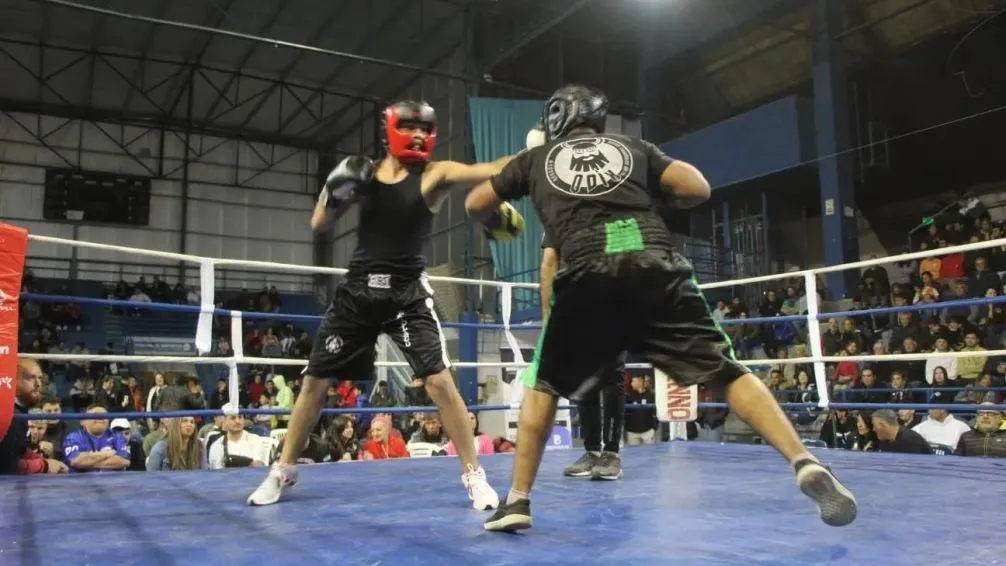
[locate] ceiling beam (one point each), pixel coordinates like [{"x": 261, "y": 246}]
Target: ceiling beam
[{"x": 531, "y": 32}]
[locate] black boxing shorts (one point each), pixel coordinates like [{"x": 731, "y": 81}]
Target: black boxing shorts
[
  {"x": 367, "y": 306},
  {"x": 646, "y": 302}
]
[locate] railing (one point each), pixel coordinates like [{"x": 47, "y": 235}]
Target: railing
[
  {"x": 111, "y": 272},
  {"x": 207, "y": 310}
]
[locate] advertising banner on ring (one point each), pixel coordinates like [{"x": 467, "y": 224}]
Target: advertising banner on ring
[
  {"x": 161, "y": 346},
  {"x": 13, "y": 247}
]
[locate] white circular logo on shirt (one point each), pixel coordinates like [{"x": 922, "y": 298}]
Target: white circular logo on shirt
[{"x": 588, "y": 167}]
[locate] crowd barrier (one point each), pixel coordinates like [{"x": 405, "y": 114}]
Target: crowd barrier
[{"x": 207, "y": 310}]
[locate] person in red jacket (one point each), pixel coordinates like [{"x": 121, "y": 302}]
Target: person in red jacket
[
  {"x": 15, "y": 455},
  {"x": 383, "y": 445}
]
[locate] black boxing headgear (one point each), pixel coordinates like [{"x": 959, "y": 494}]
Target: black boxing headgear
[
  {"x": 574, "y": 106},
  {"x": 401, "y": 143}
]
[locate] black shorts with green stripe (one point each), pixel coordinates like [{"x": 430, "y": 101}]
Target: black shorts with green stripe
[{"x": 643, "y": 301}]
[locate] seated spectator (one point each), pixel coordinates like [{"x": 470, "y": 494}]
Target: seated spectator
[
  {"x": 846, "y": 372},
  {"x": 905, "y": 329},
  {"x": 483, "y": 442},
  {"x": 971, "y": 367},
  {"x": 382, "y": 396},
  {"x": 948, "y": 364},
  {"x": 978, "y": 392},
  {"x": 852, "y": 333},
  {"x": 347, "y": 393},
  {"x": 839, "y": 431},
  {"x": 16, "y": 457},
  {"x": 908, "y": 418},
  {"x": 866, "y": 437},
  {"x": 213, "y": 431},
  {"x": 992, "y": 319},
  {"x": 942, "y": 428},
  {"x": 271, "y": 347},
  {"x": 883, "y": 370},
  {"x": 899, "y": 383},
  {"x": 982, "y": 279},
  {"x": 964, "y": 313},
  {"x": 383, "y": 445},
  {"x": 867, "y": 390},
  {"x": 343, "y": 443},
  {"x": 180, "y": 450},
  {"x": 220, "y": 395},
  {"x": 55, "y": 430},
  {"x": 929, "y": 332},
  {"x": 267, "y": 421},
  {"x": 955, "y": 332},
  {"x": 37, "y": 444},
  {"x": 431, "y": 431},
  {"x": 914, "y": 370},
  {"x": 159, "y": 433},
  {"x": 988, "y": 439},
  {"x": 137, "y": 457},
  {"x": 831, "y": 338},
  {"x": 939, "y": 393},
  {"x": 95, "y": 447},
  {"x": 415, "y": 394},
  {"x": 928, "y": 292},
  {"x": 951, "y": 265},
  {"x": 895, "y": 438},
  {"x": 135, "y": 395},
  {"x": 238, "y": 448}
]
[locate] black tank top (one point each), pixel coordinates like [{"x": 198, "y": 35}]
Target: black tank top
[{"x": 395, "y": 223}]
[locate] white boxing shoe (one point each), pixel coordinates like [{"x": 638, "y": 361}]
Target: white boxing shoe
[
  {"x": 483, "y": 496},
  {"x": 281, "y": 476}
]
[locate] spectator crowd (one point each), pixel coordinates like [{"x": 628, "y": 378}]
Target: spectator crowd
[{"x": 938, "y": 325}]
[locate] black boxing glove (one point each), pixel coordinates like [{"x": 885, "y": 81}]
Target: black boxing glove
[{"x": 348, "y": 176}]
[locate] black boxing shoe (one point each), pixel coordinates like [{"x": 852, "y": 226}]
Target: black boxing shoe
[
  {"x": 511, "y": 517},
  {"x": 835, "y": 503}
]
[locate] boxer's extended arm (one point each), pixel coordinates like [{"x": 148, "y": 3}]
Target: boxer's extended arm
[
  {"x": 686, "y": 185},
  {"x": 453, "y": 172},
  {"x": 549, "y": 265}
]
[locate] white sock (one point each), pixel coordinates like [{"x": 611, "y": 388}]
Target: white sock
[{"x": 514, "y": 495}]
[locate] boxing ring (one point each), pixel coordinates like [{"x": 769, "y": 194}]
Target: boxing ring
[{"x": 679, "y": 502}]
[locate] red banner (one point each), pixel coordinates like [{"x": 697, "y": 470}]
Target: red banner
[{"x": 13, "y": 247}]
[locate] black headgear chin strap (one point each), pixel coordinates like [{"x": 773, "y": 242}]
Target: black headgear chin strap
[{"x": 574, "y": 106}]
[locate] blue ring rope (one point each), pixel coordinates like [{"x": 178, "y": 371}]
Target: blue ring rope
[
  {"x": 196, "y": 309},
  {"x": 478, "y": 408}
]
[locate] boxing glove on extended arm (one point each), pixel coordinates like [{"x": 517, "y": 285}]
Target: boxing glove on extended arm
[
  {"x": 348, "y": 176},
  {"x": 506, "y": 224}
]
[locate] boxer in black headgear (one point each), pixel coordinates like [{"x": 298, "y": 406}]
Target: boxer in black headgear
[
  {"x": 623, "y": 287},
  {"x": 386, "y": 289}
]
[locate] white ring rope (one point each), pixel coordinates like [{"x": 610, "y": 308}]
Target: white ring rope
[
  {"x": 506, "y": 287},
  {"x": 293, "y": 362},
  {"x": 268, "y": 265}
]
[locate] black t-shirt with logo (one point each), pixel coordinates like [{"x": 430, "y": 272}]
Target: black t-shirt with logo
[{"x": 580, "y": 185}]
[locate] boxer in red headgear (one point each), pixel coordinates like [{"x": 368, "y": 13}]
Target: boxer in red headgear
[
  {"x": 401, "y": 122},
  {"x": 386, "y": 290}
]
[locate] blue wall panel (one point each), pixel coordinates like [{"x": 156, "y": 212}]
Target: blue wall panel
[{"x": 772, "y": 138}]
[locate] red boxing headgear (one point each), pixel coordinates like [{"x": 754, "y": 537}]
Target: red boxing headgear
[{"x": 401, "y": 143}]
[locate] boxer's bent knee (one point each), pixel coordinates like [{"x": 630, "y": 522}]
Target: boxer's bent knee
[
  {"x": 441, "y": 381},
  {"x": 311, "y": 384}
]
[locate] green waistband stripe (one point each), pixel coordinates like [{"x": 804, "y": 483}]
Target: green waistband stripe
[{"x": 622, "y": 236}]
